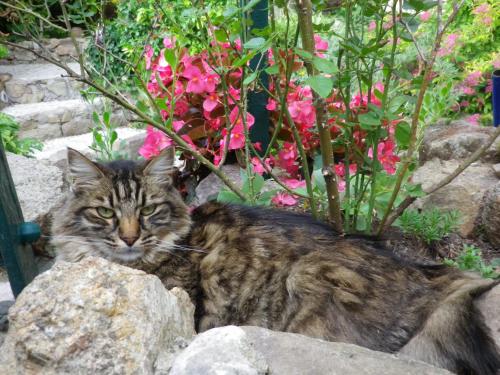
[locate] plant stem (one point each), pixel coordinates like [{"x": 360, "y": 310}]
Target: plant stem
[{"x": 304, "y": 13}]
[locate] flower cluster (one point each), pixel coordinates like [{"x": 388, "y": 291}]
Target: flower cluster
[{"x": 201, "y": 100}]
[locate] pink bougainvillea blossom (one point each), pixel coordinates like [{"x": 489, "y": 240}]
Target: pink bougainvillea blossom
[
  {"x": 155, "y": 142},
  {"x": 473, "y": 119},
  {"x": 284, "y": 199},
  {"x": 425, "y": 16}
]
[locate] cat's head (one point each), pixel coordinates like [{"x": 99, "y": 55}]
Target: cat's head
[{"x": 124, "y": 211}]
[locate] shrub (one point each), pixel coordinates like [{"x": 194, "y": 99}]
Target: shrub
[{"x": 9, "y": 130}]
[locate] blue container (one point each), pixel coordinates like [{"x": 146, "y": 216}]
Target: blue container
[{"x": 496, "y": 98}]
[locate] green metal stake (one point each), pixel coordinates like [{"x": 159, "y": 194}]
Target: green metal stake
[
  {"x": 257, "y": 100},
  {"x": 15, "y": 234}
]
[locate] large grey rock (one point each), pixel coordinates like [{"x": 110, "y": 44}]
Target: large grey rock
[
  {"x": 33, "y": 83},
  {"x": 457, "y": 140},
  {"x": 209, "y": 187},
  {"x": 253, "y": 350},
  {"x": 38, "y": 185},
  {"x": 491, "y": 215},
  {"x": 95, "y": 317},
  {"x": 465, "y": 193}
]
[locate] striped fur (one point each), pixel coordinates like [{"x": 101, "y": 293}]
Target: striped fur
[{"x": 275, "y": 269}]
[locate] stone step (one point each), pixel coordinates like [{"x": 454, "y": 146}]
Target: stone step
[
  {"x": 34, "y": 83},
  {"x": 49, "y": 120},
  {"x": 54, "y": 151}
]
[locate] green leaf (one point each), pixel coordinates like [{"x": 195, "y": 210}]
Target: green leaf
[
  {"x": 304, "y": 54},
  {"x": 319, "y": 180},
  {"x": 114, "y": 137},
  {"x": 321, "y": 85},
  {"x": 249, "y": 79},
  {"x": 105, "y": 118},
  {"x": 255, "y": 43},
  {"x": 324, "y": 65},
  {"x": 415, "y": 191},
  {"x": 228, "y": 197},
  {"x": 403, "y": 134},
  {"x": 170, "y": 57},
  {"x": 368, "y": 120},
  {"x": 274, "y": 69},
  {"x": 258, "y": 183},
  {"x": 397, "y": 102},
  {"x": 95, "y": 118}
]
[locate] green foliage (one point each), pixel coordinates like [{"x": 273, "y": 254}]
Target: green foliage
[
  {"x": 9, "y": 130},
  {"x": 4, "y": 52},
  {"x": 470, "y": 259},
  {"x": 261, "y": 196},
  {"x": 104, "y": 138},
  {"x": 142, "y": 22},
  {"x": 429, "y": 226}
]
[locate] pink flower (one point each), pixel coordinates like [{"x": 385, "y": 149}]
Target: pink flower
[
  {"x": 473, "y": 79},
  {"x": 234, "y": 95},
  {"x": 449, "y": 45},
  {"x": 464, "y": 103},
  {"x": 271, "y": 105},
  {"x": 473, "y": 119},
  {"x": 372, "y": 26},
  {"x": 181, "y": 108},
  {"x": 496, "y": 62},
  {"x": 148, "y": 55},
  {"x": 468, "y": 90},
  {"x": 288, "y": 152},
  {"x": 210, "y": 102},
  {"x": 385, "y": 155},
  {"x": 487, "y": 20},
  {"x": 320, "y": 44},
  {"x": 178, "y": 125},
  {"x": 154, "y": 142},
  {"x": 303, "y": 112},
  {"x": 483, "y": 8},
  {"x": 284, "y": 199},
  {"x": 169, "y": 42},
  {"x": 294, "y": 183},
  {"x": 189, "y": 141},
  {"x": 196, "y": 82},
  {"x": 236, "y": 119},
  {"x": 489, "y": 86},
  {"x": 211, "y": 81},
  {"x": 424, "y": 17},
  {"x": 258, "y": 167}
]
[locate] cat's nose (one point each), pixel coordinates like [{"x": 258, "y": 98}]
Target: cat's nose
[{"x": 129, "y": 240}]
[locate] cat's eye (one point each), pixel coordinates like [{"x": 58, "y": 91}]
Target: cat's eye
[
  {"x": 148, "y": 210},
  {"x": 105, "y": 212}
]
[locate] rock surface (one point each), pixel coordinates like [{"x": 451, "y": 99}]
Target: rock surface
[
  {"x": 38, "y": 185},
  {"x": 209, "y": 187},
  {"x": 457, "y": 140},
  {"x": 110, "y": 319},
  {"x": 465, "y": 193},
  {"x": 491, "y": 215},
  {"x": 253, "y": 350}
]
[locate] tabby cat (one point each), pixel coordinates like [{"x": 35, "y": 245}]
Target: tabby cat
[{"x": 279, "y": 270}]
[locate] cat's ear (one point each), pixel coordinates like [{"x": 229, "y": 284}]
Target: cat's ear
[
  {"x": 84, "y": 173},
  {"x": 161, "y": 167}
]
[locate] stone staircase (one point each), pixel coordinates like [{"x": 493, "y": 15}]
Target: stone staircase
[{"x": 48, "y": 105}]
